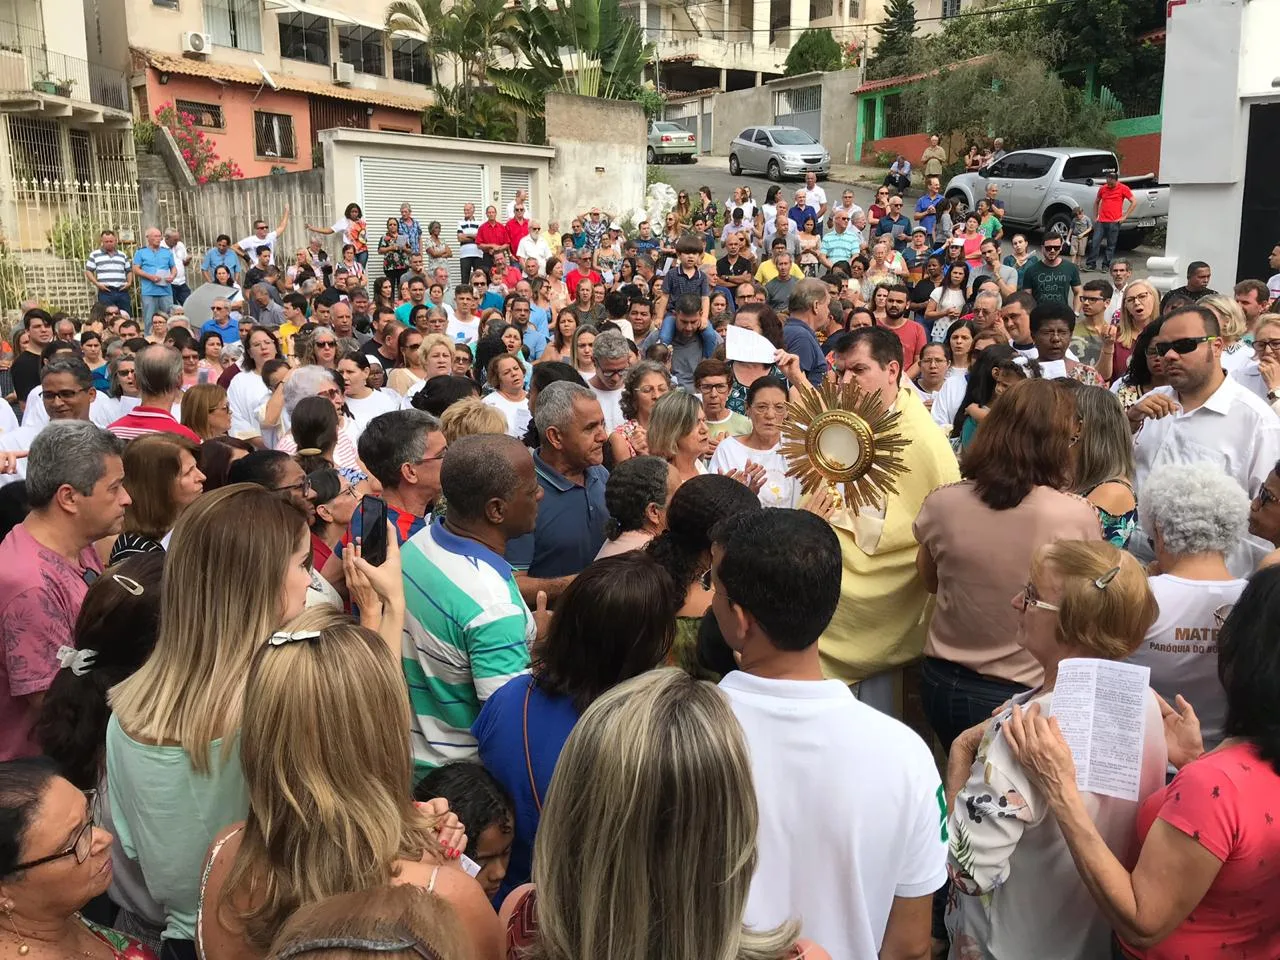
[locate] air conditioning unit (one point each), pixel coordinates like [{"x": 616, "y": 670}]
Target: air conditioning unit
[
  {"x": 196, "y": 43},
  {"x": 343, "y": 73}
]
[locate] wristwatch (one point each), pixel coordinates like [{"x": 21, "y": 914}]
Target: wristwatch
[{"x": 1273, "y": 395}]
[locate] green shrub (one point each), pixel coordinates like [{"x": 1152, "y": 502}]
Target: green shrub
[
  {"x": 72, "y": 238},
  {"x": 144, "y": 135}
]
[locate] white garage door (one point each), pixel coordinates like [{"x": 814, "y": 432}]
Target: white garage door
[{"x": 436, "y": 191}]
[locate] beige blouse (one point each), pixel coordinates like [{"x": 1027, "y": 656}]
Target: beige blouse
[{"x": 983, "y": 558}]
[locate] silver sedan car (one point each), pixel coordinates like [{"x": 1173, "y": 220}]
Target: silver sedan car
[
  {"x": 670, "y": 141},
  {"x": 778, "y": 152}
]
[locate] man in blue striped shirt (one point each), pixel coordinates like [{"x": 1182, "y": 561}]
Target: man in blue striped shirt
[{"x": 110, "y": 272}]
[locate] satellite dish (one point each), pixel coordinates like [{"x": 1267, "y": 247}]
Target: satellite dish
[{"x": 265, "y": 76}]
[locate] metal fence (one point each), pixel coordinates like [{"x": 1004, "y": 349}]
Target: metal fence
[
  {"x": 231, "y": 207},
  {"x": 49, "y": 228}
]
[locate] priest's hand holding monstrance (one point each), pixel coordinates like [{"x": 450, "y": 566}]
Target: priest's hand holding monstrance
[{"x": 844, "y": 438}]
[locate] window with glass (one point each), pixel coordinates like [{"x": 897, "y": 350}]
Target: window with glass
[
  {"x": 234, "y": 23},
  {"x": 409, "y": 60},
  {"x": 273, "y": 136},
  {"x": 362, "y": 48},
  {"x": 304, "y": 37}
]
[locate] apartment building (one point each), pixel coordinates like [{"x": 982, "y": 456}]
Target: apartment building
[
  {"x": 725, "y": 45},
  {"x": 262, "y": 78}
]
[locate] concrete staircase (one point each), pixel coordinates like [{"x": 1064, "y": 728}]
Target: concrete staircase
[{"x": 152, "y": 169}]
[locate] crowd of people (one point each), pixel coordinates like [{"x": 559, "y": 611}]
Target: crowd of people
[{"x": 489, "y": 619}]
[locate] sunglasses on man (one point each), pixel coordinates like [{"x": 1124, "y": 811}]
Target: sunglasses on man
[{"x": 1182, "y": 346}]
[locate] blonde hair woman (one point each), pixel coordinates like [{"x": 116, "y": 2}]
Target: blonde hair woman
[
  {"x": 1140, "y": 305},
  {"x": 327, "y": 815},
  {"x": 173, "y": 765},
  {"x": 1008, "y": 859},
  {"x": 437, "y": 356},
  {"x": 469, "y": 416},
  {"x": 659, "y": 756},
  {"x": 206, "y": 410},
  {"x": 1232, "y": 327},
  {"x": 381, "y": 918},
  {"x": 1261, "y": 375},
  {"x": 678, "y": 433}
]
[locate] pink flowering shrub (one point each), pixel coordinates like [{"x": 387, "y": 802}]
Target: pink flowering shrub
[{"x": 196, "y": 147}]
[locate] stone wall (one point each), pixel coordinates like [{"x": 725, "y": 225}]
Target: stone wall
[{"x": 599, "y": 155}]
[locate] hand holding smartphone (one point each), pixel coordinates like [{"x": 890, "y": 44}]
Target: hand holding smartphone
[{"x": 373, "y": 530}]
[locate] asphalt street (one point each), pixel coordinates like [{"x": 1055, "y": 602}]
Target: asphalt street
[{"x": 713, "y": 172}]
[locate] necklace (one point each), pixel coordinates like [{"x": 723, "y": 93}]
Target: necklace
[{"x": 24, "y": 948}]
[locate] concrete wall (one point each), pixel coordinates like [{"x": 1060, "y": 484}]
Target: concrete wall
[
  {"x": 735, "y": 112},
  {"x": 229, "y": 206},
  {"x": 839, "y": 114},
  {"x": 1215, "y": 56},
  {"x": 599, "y": 155}
]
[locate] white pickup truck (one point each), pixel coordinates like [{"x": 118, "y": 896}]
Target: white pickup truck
[{"x": 1041, "y": 187}]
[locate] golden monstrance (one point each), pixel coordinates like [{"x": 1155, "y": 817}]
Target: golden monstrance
[{"x": 844, "y": 437}]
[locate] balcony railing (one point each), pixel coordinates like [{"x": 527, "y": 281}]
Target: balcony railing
[{"x": 26, "y": 63}]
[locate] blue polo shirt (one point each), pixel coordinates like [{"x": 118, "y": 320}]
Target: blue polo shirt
[
  {"x": 229, "y": 333},
  {"x": 923, "y": 204},
  {"x": 570, "y": 528},
  {"x": 213, "y": 260},
  {"x": 155, "y": 261},
  {"x": 798, "y": 337}
]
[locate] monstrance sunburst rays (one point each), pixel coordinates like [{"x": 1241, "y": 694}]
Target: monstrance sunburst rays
[{"x": 840, "y": 435}]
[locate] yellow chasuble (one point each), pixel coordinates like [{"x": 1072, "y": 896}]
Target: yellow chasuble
[{"x": 884, "y": 609}]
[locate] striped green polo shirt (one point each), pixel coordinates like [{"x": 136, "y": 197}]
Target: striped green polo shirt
[{"x": 467, "y": 632}]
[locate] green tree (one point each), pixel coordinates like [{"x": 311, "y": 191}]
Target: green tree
[
  {"x": 513, "y": 53},
  {"x": 815, "y": 49},
  {"x": 896, "y": 45},
  {"x": 1015, "y": 95}
]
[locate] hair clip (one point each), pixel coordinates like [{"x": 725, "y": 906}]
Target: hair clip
[
  {"x": 129, "y": 584},
  {"x": 1020, "y": 361},
  {"x": 310, "y": 452},
  {"x": 1103, "y": 581},
  {"x": 79, "y": 662},
  {"x": 281, "y": 637}
]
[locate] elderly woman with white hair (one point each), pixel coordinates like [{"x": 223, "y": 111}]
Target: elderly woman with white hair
[
  {"x": 315, "y": 381},
  {"x": 1196, "y": 514}
]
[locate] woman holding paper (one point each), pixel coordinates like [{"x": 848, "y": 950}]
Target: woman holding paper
[
  {"x": 1014, "y": 890},
  {"x": 1207, "y": 877}
]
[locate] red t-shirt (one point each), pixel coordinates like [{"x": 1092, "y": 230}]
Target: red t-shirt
[
  {"x": 517, "y": 230},
  {"x": 1112, "y": 202},
  {"x": 1229, "y": 802},
  {"x": 574, "y": 278},
  {"x": 913, "y": 340},
  {"x": 493, "y": 233}
]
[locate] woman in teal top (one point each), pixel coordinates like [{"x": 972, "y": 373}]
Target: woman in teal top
[
  {"x": 173, "y": 766},
  {"x": 1104, "y": 462}
]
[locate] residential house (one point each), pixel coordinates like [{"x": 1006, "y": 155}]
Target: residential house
[
  {"x": 66, "y": 148},
  {"x": 262, "y": 78}
]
